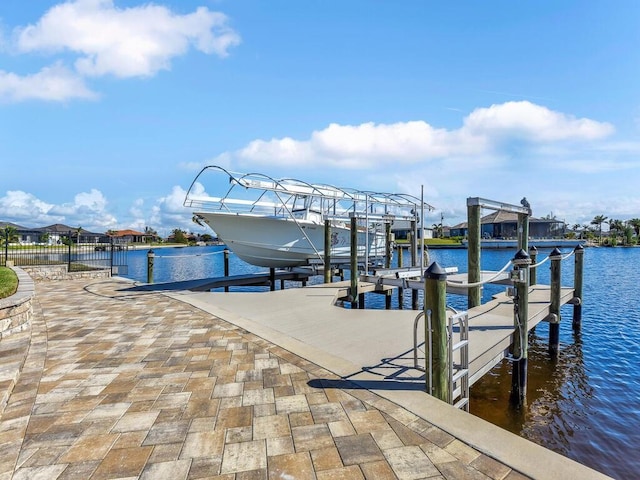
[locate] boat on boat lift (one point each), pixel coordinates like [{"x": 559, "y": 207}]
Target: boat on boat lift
[{"x": 279, "y": 223}]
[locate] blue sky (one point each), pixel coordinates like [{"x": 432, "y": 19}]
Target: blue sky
[{"x": 108, "y": 108}]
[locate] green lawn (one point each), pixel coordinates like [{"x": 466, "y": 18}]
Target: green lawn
[{"x": 8, "y": 282}]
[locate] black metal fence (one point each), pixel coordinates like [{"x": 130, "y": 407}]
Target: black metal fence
[{"x": 96, "y": 252}]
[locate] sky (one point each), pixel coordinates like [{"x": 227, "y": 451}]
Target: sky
[{"x": 109, "y": 108}]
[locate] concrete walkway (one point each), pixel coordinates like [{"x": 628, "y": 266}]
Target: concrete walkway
[{"x": 120, "y": 384}]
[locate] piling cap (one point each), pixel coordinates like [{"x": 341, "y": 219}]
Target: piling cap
[
  {"x": 435, "y": 272},
  {"x": 579, "y": 248},
  {"x": 522, "y": 258},
  {"x": 151, "y": 253},
  {"x": 555, "y": 254},
  {"x": 533, "y": 249}
]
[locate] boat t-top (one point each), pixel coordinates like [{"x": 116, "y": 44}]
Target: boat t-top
[{"x": 280, "y": 223}]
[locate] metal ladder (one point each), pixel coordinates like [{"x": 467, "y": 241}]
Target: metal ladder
[{"x": 458, "y": 372}]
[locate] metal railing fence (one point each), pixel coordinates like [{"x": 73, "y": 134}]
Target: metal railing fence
[{"x": 92, "y": 252}]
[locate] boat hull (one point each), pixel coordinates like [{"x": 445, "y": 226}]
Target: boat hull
[{"x": 278, "y": 242}]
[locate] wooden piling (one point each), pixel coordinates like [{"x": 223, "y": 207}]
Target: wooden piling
[
  {"x": 435, "y": 308},
  {"x": 577, "y": 288},
  {"x": 226, "y": 266},
  {"x": 150, "y": 259},
  {"x": 353, "y": 293},
  {"x": 387, "y": 260},
  {"x": 400, "y": 251},
  {"x": 272, "y": 279},
  {"x": 473, "y": 253},
  {"x": 533, "y": 271},
  {"x": 554, "y": 303},
  {"x": 523, "y": 231},
  {"x": 520, "y": 277},
  {"x": 414, "y": 261},
  {"x": 327, "y": 251}
]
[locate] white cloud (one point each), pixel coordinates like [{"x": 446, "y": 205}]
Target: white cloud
[
  {"x": 88, "y": 209},
  {"x": 18, "y": 206},
  {"x": 54, "y": 83},
  {"x": 535, "y": 123},
  {"x": 170, "y": 212},
  {"x": 125, "y": 42},
  {"x": 482, "y": 137}
]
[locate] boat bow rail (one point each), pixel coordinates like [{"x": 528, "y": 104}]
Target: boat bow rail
[{"x": 256, "y": 193}]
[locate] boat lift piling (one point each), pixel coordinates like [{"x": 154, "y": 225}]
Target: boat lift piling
[
  {"x": 414, "y": 261},
  {"x": 226, "y": 267},
  {"x": 353, "y": 292},
  {"x": 328, "y": 273},
  {"x": 554, "y": 306},
  {"x": 577, "y": 282}
]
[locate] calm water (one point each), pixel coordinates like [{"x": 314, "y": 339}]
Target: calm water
[{"x": 585, "y": 405}]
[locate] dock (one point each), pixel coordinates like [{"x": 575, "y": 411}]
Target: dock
[{"x": 354, "y": 342}]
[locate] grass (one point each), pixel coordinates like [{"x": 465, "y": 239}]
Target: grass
[{"x": 8, "y": 282}]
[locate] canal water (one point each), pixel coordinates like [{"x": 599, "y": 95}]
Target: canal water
[{"x": 584, "y": 405}]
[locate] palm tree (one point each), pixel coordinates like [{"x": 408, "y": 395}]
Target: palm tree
[
  {"x": 616, "y": 226},
  {"x": 598, "y": 220},
  {"x": 576, "y": 227},
  {"x": 150, "y": 234},
  {"x": 9, "y": 234},
  {"x": 635, "y": 224}
]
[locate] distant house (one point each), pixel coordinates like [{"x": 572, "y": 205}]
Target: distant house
[
  {"x": 131, "y": 236},
  {"x": 504, "y": 225},
  {"x": 51, "y": 234},
  {"x": 401, "y": 228}
]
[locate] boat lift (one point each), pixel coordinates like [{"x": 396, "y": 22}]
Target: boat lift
[{"x": 260, "y": 194}]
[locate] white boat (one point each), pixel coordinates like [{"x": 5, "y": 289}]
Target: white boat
[{"x": 281, "y": 223}]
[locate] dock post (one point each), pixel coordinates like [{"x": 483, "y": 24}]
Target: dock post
[
  {"x": 353, "y": 293},
  {"x": 327, "y": 251},
  {"x": 226, "y": 266},
  {"x": 577, "y": 288},
  {"x": 435, "y": 308},
  {"x": 400, "y": 289},
  {"x": 554, "y": 305},
  {"x": 414, "y": 261},
  {"x": 150, "y": 259},
  {"x": 523, "y": 231},
  {"x": 473, "y": 252},
  {"x": 387, "y": 260},
  {"x": 520, "y": 277},
  {"x": 272, "y": 279},
  {"x": 533, "y": 271}
]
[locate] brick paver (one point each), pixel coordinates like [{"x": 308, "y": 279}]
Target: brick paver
[{"x": 139, "y": 385}]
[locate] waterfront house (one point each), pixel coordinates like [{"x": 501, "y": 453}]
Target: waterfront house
[{"x": 504, "y": 225}]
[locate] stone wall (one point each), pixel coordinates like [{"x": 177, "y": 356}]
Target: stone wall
[
  {"x": 16, "y": 311},
  {"x": 46, "y": 273}
]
